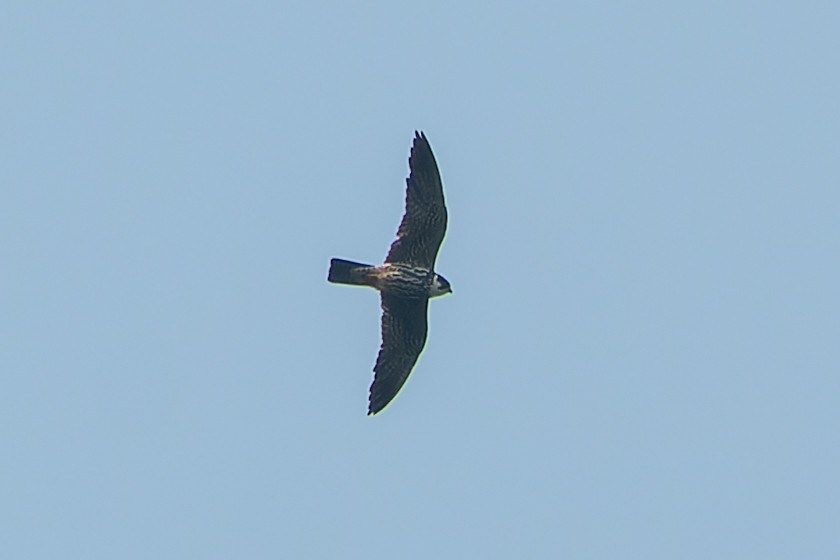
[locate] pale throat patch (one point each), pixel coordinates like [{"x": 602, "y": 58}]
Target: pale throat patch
[{"x": 438, "y": 288}]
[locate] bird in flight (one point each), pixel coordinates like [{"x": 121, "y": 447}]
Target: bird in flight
[{"x": 407, "y": 278}]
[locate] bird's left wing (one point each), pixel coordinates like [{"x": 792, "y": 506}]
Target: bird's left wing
[{"x": 403, "y": 337}]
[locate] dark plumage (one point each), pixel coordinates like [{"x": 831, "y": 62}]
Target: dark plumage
[
  {"x": 406, "y": 280},
  {"x": 423, "y": 225}
]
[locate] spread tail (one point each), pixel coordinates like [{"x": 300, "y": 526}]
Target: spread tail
[{"x": 347, "y": 272}]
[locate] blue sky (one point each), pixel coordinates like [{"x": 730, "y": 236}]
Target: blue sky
[{"x": 640, "y": 358}]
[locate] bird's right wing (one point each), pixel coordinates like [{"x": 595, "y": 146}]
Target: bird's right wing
[
  {"x": 403, "y": 337},
  {"x": 423, "y": 225}
]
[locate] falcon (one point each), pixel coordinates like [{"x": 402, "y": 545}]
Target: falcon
[{"x": 407, "y": 279}]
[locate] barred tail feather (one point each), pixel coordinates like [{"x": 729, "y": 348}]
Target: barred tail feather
[{"x": 347, "y": 272}]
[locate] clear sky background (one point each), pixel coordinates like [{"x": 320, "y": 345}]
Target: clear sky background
[{"x": 641, "y": 357}]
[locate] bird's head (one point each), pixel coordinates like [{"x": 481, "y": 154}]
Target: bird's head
[{"x": 440, "y": 286}]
